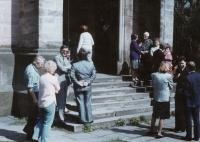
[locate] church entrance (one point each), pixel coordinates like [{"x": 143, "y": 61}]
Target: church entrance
[{"x": 102, "y": 18}]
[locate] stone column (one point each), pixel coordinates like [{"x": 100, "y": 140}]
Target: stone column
[
  {"x": 167, "y": 21},
  {"x": 125, "y": 31},
  {"x": 50, "y": 24}
]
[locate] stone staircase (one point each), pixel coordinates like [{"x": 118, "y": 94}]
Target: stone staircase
[{"x": 114, "y": 97}]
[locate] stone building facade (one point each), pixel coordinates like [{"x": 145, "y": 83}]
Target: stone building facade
[{"x": 31, "y": 27}]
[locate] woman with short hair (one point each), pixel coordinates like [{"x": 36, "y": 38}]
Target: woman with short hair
[
  {"x": 162, "y": 82},
  {"x": 168, "y": 58},
  {"x": 86, "y": 42},
  {"x": 49, "y": 86},
  {"x": 135, "y": 52}
]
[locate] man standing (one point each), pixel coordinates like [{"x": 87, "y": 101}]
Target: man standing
[
  {"x": 63, "y": 68},
  {"x": 31, "y": 79},
  {"x": 180, "y": 100},
  {"x": 192, "y": 93},
  {"x": 82, "y": 74}
]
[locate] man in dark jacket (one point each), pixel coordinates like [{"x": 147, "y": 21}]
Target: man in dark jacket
[
  {"x": 180, "y": 100},
  {"x": 192, "y": 93}
]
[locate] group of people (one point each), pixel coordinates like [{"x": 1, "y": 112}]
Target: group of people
[
  {"x": 52, "y": 88},
  {"x": 147, "y": 55}
]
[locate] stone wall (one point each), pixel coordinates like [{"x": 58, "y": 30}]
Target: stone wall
[{"x": 167, "y": 21}]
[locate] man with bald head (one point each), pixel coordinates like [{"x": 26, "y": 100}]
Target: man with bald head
[{"x": 192, "y": 93}]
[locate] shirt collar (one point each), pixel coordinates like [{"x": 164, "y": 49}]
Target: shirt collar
[{"x": 34, "y": 68}]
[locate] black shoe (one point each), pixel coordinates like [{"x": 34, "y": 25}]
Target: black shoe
[
  {"x": 195, "y": 139},
  {"x": 159, "y": 137},
  {"x": 186, "y": 138}
]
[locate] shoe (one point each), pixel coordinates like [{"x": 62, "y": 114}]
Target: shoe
[
  {"x": 195, "y": 139},
  {"x": 150, "y": 133},
  {"x": 159, "y": 136},
  {"x": 186, "y": 138},
  {"x": 66, "y": 110},
  {"x": 34, "y": 140},
  {"x": 91, "y": 121},
  {"x": 179, "y": 131},
  {"x": 79, "y": 122}
]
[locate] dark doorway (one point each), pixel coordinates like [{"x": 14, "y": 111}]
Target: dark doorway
[{"x": 102, "y": 18}]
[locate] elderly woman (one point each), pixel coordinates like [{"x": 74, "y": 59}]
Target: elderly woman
[
  {"x": 49, "y": 86},
  {"x": 135, "y": 52},
  {"x": 86, "y": 42},
  {"x": 82, "y": 74},
  {"x": 162, "y": 82}
]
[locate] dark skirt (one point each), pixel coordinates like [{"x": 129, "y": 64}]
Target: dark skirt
[{"x": 161, "y": 110}]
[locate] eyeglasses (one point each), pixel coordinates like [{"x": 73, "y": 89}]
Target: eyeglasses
[{"x": 65, "y": 51}]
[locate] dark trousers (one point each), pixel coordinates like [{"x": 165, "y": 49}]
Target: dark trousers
[
  {"x": 180, "y": 112},
  {"x": 192, "y": 113},
  {"x": 83, "y": 100},
  {"x": 32, "y": 118}
]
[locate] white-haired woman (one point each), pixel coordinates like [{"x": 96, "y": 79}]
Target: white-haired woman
[{"x": 49, "y": 86}]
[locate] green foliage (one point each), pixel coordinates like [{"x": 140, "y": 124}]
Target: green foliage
[
  {"x": 89, "y": 128},
  {"x": 172, "y": 113},
  {"x": 120, "y": 122},
  {"x": 143, "y": 119},
  {"x": 61, "y": 129},
  {"x": 21, "y": 121},
  {"x": 135, "y": 121},
  {"x": 115, "y": 140},
  {"x": 105, "y": 128}
]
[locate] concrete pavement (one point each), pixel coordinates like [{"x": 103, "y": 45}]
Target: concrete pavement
[{"x": 127, "y": 133}]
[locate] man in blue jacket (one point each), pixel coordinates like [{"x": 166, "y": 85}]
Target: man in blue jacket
[{"x": 192, "y": 92}]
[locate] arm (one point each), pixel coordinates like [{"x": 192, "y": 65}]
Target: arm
[
  {"x": 136, "y": 47},
  {"x": 170, "y": 83},
  {"x": 92, "y": 77},
  {"x": 31, "y": 92},
  {"x": 73, "y": 77},
  {"x": 187, "y": 87},
  {"x": 60, "y": 66},
  {"x": 80, "y": 42},
  {"x": 56, "y": 84},
  {"x": 92, "y": 41}
]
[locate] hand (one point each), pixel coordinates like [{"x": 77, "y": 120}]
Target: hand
[
  {"x": 35, "y": 103},
  {"x": 85, "y": 83},
  {"x": 56, "y": 92},
  {"x": 81, "y": 84},
  {"x": 178, "y": 75},
  {"x": 140, "y": 44}
]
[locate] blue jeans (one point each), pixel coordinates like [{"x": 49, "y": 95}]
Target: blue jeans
[
  {"x": 43, "y": 126},
  {"x": 83, "y": 100}
]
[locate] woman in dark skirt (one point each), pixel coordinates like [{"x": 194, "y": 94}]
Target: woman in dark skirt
[{"x": 162, "y": 82}]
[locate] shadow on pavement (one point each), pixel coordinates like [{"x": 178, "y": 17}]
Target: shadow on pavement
[{"x": 12, "y": 135}]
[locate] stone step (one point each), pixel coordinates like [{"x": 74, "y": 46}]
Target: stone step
[
  {"x": 97, "y": 114},
  {"x": 103, "y": 91},
  {"x": 119, "y": 97},
  {"x": 107, "y": 78},
  {"x": 108, "y": 122},
  {"x": 108, "y": 85}
]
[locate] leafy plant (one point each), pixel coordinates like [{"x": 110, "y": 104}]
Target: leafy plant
[
  {"x": 135, "y": 121},
  {"x": 143, "y": 119},
  {"x": 105, "y": 128},
  {"x": 172, "y": 113},
  {"x": 20, "y": 121},
  {"x": 120, "y": 122},
  {"x": 89, "y": 128}
]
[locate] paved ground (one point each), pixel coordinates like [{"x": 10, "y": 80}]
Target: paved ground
[{"x": 126, "y": 133}]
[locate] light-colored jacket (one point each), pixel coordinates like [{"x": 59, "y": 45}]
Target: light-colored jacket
[
  {"x": 63, "y": 66},
  {"x": 85, "y": 40},
  {"x": 162, "y": 83}
]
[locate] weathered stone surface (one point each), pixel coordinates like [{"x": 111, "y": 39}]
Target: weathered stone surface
[{"x": 6, "y": 99}]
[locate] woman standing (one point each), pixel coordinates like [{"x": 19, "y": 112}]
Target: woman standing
[
  {"x": 49, "y": 86},
  {"x": 135, "y": 52},
  {"x": 168, "y": 58},
  {"x": 82, "y": 74},
  {"x": 162, "y": 82},
  {"x": 86, "y": 42}
]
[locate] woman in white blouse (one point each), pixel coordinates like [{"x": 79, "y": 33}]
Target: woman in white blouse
[
  {"x": 49, "y": 86},
  {"x": 86, "y": 42}
]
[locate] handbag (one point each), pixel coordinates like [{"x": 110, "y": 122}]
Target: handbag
[{"x": 152, "y": 102}]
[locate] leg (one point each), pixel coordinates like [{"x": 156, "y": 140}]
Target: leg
[
  {"x": 81, "y": 106},
  {"x": 153, "y": 121},
  {"x": 133, "y": 74},
  {"x": 88, "y": 108},
  {"x": 188, "y": 123},
  {"x": 38, "y": 127},
  {"x": 61, "y": 102},
  {"x": 89, "y": 56},
  {"x": 195, "y": 115},
  {"x": 49, "y": 113},
  {"x": 161, "y": 121}
]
